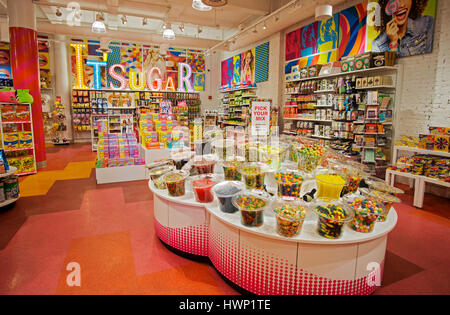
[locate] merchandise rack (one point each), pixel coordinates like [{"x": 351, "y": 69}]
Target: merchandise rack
[
  {"x": 228, "y": 108},
  {"x": 344, "y": 129},
  {"x": 140, "y": 101},
  {"x": 22, "y": 126}
]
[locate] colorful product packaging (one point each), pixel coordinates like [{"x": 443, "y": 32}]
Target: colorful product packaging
[
  {"x": 25, "y": 139},
  {"x": 11, "y": 140},
  {"x": 8, "y": 113}
]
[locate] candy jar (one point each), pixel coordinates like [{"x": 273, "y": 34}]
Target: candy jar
[
  {"x": 332, "y": 217},
  {"x": 309, "y": 158},
  {"x": 223, "y": 148},
  {"x": 366, "y": 213},
  {"x": 252, "y": 206},
  {"x": 289, "y": 217},
  {"x": 201, "y": 185},
  {"x": 225, "y": 191},
  {"x": 204, "y": 164},
  {"x": 156, "y": 174},
  {"x": 231, "y": 168},
  {"x": 329, "y": 186},
  {"x": 253, "y": 175},
  {"x": 375, "y": 183},
  {"x": 175, "y": 182},
  {"x": 386, "y": 199},
  {"x": 289, "y": 183}
]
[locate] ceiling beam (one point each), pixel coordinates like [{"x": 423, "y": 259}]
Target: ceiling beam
[{"x": 137, "y": 37}]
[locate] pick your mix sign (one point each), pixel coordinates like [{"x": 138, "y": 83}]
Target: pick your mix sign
[
  {"x": 138, "y": 80},
  {"x": 260, "y": 117}
]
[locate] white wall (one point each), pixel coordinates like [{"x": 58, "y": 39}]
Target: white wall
[{"x": 424, "y": 99}]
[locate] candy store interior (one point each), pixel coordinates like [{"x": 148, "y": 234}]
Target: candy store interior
[{"x": 226, "y": 147}]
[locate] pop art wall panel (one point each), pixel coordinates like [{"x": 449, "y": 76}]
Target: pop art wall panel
[
  {"x": 309, "y": 39},
  {"x": 262, "y": 63},
  {"x": 352, "y": 30},
  {"x": 328, "y": 34}
]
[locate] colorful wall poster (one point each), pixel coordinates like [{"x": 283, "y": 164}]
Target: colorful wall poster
[
  {"x": 328, "y": 34},
  {"x": 223, "y": 73},
  {"x": 199, "y": 81},
  {"x": 248, "y": 66},
  {"x": 229, "y": 76},
  {"x": 44, "y": 62},
  {"x": 131, "y": 58},
  {"x": 262, "y": 63},
  {"x": 293, "y": 45},
  {"x": 237, "y": 69},
  {"x": 404, "y": 26},
  {"x": 309, "y": 39},
  {"x": 173, "y": 57},
  {"x": 352, "y": 30},
  {"x": 5, "y": 72},
  {"x": 196, "y": 61}
]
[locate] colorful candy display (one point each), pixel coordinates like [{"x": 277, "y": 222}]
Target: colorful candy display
[
  {"x": 289, "y": 183},
  {"x": 175, "y": 182},
  {"x": 273, "y": 155},
  {"x": 225, "y": 192},
  {"x": 386, "y": 199},
  {"x": 251, "y": 207},
  {"x": 290, "y": 219},
  {"x": 231, "y": 169},
  {"x": 204, "y": 165},
  {"x": 353, "y": 178},
  {"x": 329, "y": 186},
  {"x": 331, "y": 220},
  {"x": 202, "y": 188},
  {"x": 156, "y": 175},
  {"x": 366, "y": 214},
  {"x": 309, "y": 157},
  {"x": 253, "y": 175}
]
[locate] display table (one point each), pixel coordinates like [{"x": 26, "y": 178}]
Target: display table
[{"x": 261, "y": 261}]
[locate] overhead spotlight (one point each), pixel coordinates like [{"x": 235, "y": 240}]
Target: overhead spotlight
[
  {"x": 199, "y": 29},
  {"x": 233, "y": 41},
  {"x": 58, "y": 12},
  {"x": 324, "y": 12},
  {"x": 264, "y": 26},
  {"x": 124, "y": 19},
  {"x": 99, "y": 26},
  {"x": 277, "y": 18},
  {"x": 298, "y": 4},
  {"x": 255, "y": 30},
  {"x": 181, "y": 27},
  {"x": 144, "y": 21},
  {"x": 200, "y": 6},
  {"x": 168, "y": 32}
]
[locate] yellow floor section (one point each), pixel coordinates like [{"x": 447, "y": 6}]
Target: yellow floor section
[{"x": 40, "y": 183}]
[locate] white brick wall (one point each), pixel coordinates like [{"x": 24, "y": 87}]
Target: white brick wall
[{"x": 425, "y": 93}]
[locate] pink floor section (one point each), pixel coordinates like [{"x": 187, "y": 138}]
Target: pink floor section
[{"x": 108, "y": 230}]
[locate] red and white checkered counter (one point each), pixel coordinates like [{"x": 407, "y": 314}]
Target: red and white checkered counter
[{"x": 263, "y": 262}]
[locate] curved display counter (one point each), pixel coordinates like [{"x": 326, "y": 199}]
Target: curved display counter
[{"x": 259, "y": 260}]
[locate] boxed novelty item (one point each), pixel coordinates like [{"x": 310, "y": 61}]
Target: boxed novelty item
[
  {"x": 348, "y": 64},
  {"x": 441, "y": 143},
  {"x": 313, "y": 71},
  {"x": 426, "y": 142},
  {"x": 303, "y": 72},
  {"x": 363, "y": 61}
]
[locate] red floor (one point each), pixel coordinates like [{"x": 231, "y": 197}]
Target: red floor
[{"x": 108, "y": 230}]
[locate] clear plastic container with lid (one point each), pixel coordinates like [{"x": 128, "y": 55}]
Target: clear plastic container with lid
[
  {"x": 387, "y": 200},
  {"x": 366, "y": 213},
  {"x": 231, "y": 168},
  {"x": 253, "y": 174},
  {"x": 252, "y": 206},
  {"x": 290, "y": 216},
  {"x": 332, "y": 214},
  {"x": 329, "y": 185},
  {"x": 176, "y": 182},
  {"x": 380, "y": 185},
  {"x": 201, "y": 185},
  {"x": 289, "y": 183},
  {"x": 157, "y": 169},
  {"x": 225, "y": 191},
  {"x": 223, "y": 148},
  {"x": 204, "y": 164}
]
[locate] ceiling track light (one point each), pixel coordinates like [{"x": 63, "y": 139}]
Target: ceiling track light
[
  {"x": 124, "y": 19},
  {"x": 144, "y": 21},
  {"x": 324, "y": 12},
  {"x": 58, "y": 12},
  {"x": 98, "y": 26},
  {"x": 199, "y": 29},
  {"x": 181, "y": 27},
  {"x": 255, "y": 31},
  {"x": 200, "y": 6},
  {"x": 264, "y": 26},
  {"x": 168, "y": 32}
]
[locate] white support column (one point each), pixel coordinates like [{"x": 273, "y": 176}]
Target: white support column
[{"x": 62, "y": 81}]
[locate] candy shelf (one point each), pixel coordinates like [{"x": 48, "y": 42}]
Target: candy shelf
[
  {"x": 8, "y": 202},
  {"x": 376, "y": 69},
  {"x": 19, "y": 129}
]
